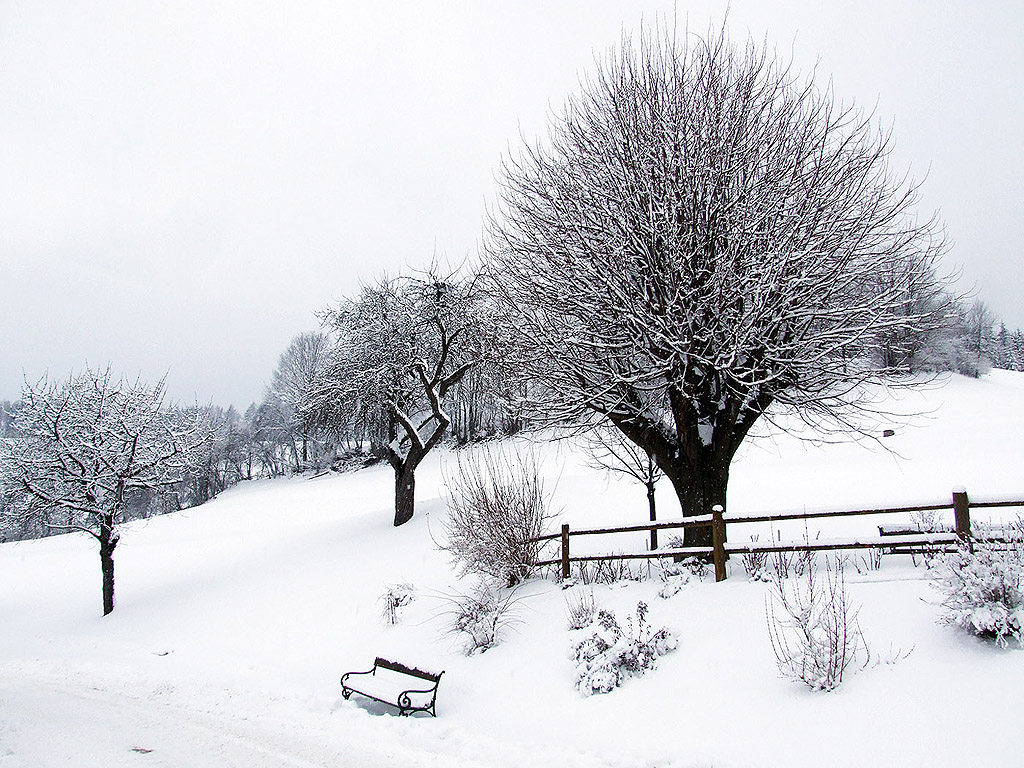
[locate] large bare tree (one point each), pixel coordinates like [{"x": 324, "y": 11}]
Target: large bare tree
[
  {"x": 84, "y": 447},
  {"x": 703, "y": 236}
]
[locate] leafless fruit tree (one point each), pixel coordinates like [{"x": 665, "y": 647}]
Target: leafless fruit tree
[
  {"x": 399, "y": 349},
  {"x": 703, "y": 236},
  {"x": 85, "y": 446}
]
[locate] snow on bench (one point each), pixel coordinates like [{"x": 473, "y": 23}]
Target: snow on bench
[{"x": 407, "y": 688}]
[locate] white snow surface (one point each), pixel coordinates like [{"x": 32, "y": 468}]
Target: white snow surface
[{"x": 235, "y": 621}]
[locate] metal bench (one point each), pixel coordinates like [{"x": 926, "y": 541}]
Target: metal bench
[{"x": 407, "y": 688}]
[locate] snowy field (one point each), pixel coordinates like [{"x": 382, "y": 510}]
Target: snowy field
[{"x": 236, "y": 619}]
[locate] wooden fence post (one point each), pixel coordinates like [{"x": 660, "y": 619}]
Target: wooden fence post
[
  {"x": 962, "y": 514},
  {"x": 565, "y": 551},
  {"x": 718, "y": 537}
]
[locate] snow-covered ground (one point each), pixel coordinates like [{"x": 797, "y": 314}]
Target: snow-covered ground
[{"x": 235, "y": 620}]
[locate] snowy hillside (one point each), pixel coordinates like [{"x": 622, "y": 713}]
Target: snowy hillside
[{"x": 236, "y": 619}]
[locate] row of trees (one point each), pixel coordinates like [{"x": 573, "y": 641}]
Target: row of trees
[{"x": 1004, "y": 348}]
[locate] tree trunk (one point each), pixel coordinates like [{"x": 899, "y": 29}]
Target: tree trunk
[
  {"x": 699, "y": 486},
  {"x": 108, "y": 541},
  {"x": 405, "y": 492},
  {"x": 697, "y": 467}
]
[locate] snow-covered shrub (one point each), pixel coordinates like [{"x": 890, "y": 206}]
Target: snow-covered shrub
[
  {"x": 927, "y": 521},
  {"x": 755, "y": 564},
  {"x": 580, "y": 608},
  {"x": 497, "y": 502},
  {"x": 394, "y": 599},
  {"x": 673, "y": 584},
  {"x": 697, "y": 566},
  {"x": 674, "y": 542},
  {"x": 805, "y": 559},
  {"x": 677, "y": 575},
  {"x": 784, "y": 564},
  {"x": 984, "y": 589},
  {"x": 871, "y": 561},
  {"x": 780, "y": 565},
  {"x": 481, "y": 617},
  {"x": 607, "y": 571},
  {"x": 812, "y": 626},
  {"x": 606, "y": 655}
]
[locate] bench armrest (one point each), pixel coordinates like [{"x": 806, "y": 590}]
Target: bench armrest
[
  {"x": 431, "y": 689},
  {"x": 350, "y": 674}
]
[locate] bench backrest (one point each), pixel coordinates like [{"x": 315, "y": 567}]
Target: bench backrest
[{"x": 396, "y": 667}]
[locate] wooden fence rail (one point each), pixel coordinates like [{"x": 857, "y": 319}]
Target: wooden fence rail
[{"x": 721, "y": 549}]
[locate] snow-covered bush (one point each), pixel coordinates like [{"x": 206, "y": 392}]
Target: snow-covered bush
[
  {"x": 812, "y": 626},
  {"x": 698, "y": 566},
  {"x": 784, "y": 564},
  {"x": 927, "y": 521},
  {"x": 497, "y": 502},
  {"x": 755, "y": 564},
  {"x": 481, "y": 617},
  {"x": 673, "y": 584},
  {"x": 394, "y": 599},
  {"x": 609, "y": 570},
  {"x": 580, "y": 608},
  {"x": 780, "y": 565},
  {"x": 677, "y": 575},
  {"x": 984, "y": 589},
  {"x": 606, "y": 655},
  {"x": 870, "y": 561}
]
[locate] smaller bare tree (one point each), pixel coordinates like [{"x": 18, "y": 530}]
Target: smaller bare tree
[
  {"x": 610, "y": 450},
  {"x": 85, "y": 446}
]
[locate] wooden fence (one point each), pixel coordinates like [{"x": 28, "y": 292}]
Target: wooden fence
[{"x": 721, "y": 549}]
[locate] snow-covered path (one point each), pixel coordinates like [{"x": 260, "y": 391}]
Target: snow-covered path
[
  {"x": 67, "y": 716},
  {"x": 46, "y": 721}
]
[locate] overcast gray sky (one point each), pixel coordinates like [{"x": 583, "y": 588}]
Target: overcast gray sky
[{"x": 183, "y": 185}]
